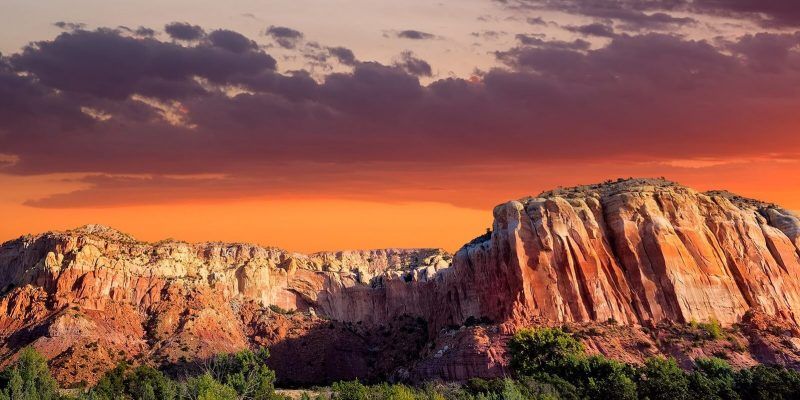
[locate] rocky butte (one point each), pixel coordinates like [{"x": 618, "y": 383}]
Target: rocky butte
[{"x": 634, "y": 267}]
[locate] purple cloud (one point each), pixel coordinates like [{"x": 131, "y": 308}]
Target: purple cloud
[
  {"x": 415, "y": 35},
  {"x": 184, "y": 31},
  {"x": 114, "y": 106},
  {"x": 287, "y": 38}
]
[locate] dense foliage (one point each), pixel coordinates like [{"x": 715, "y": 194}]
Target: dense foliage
[
  {"x": 28, "y": 378},
  {"x": 236, "y": 376},
  {"x": 548, "y": 354},
  {"x": 548, "y": 364}
]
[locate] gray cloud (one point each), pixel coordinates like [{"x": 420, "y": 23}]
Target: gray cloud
[
  {"x": 287, "y": 38},
  {"x": 184, "y": 31},
  {"x": 69, "y": 26},
  {"x": 659, "y": 14},
  {"x": 640, "y": 97},
  {"x": 413, "y": 65},
  {"x": 632, "y": 14},
  {"x": 232, "y": 41},
  {"x": 110, "y": 65},
  {"x": 343, "y": 55},
  {"x": 415, "y": 35},
  {"x": 768, "y": 13},
  {"x": 595, "y": 29}
]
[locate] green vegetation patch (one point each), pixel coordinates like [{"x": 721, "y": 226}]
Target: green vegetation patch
[{"x": 547, "y": 364}]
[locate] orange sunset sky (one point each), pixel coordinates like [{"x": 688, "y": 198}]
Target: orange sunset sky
[{"x": 318, "y": 125}]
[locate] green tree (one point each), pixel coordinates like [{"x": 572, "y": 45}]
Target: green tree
[
  {"x": 764, "y": 382},
  {"x": 713, "y": 379},
  {"x": 112, "y": 385},
  {"x": 542, "y": 350},
  {"x": 15, "y": 385},
  {"x": 348, "y": 390},
  {"x": 511, "y": 391},
  {"x": 28, "y": 378},
  {"x": 147, "y": 383},
  {"x": 246, "y": 372},
  {"x": 662, "y": 379},
  {"x": 546, "y": 387},
  {"x": 605, "y": 379},
  {"x": 205, "y": 387},
  {"x": 552, "y": 352}
]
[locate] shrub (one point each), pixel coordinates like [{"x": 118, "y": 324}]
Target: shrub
[
  {"x": 606, "y": 379},
  {"x": 246, "y": 372},
  {"x": 547, "y": 387},
  {"x": 147, "y": 383},
  {"x": 350, "y": 390},
  {"x": 710, "y": 329},
  {"x": 662, "y": 379},
  {"x": 205, "y": 387},
  {"x": 548, "y": 353},
  {"x": 141, "y": 383},
  {"x": 713, "y": 378},
  {"x": 768, "y": 382},
  {"x": 280, "y": 310},
  {"x": 111, "y": 385},
  {"x": 542, "y": 350},
  {"x": 510, "y": 391}
]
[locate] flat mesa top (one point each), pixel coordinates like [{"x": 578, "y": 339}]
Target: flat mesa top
[{"x": 613, "y": 187}]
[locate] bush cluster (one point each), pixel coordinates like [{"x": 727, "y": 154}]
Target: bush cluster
[
  {"x": 241, "y": 375},
  {"x": 552, "y": 355},
  {"x": 548, "y": 364}
]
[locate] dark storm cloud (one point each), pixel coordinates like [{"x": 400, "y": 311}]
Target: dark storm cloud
[
  {"x": 660, "y": 14},
  {"x": 632, "y": 14},
  {"x": 536, "y": 21},
  {"x": 413, "y": 65},
  {"x": 25, "y": 103},
  {"x": 184, "y": 31},
  {"x": 287, "y": 38},
  {"x": 343, "y": 55},
  {"x": 140, "y": 31},
  {"x": 415, "y": 35},
  {"x": 104, "y": 63},
  {"x": 769, "y": 13},
  {"x": 540, "y": 41},
  {"x": 144, "y": 32},
  {"x": 73, "y": 104},
  {"x": 69, "y": 26},
  {"x": 772, "y": 53},
  {"x": 595, "y": 29},
  {"x": 232, "y": 41},
  {"x": 489, "y": 34}
]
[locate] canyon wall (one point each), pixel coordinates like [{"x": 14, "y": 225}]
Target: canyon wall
[{"x": 637, "y": 252}]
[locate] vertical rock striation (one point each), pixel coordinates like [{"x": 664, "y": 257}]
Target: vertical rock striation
[{"x": 636, "y": 251}]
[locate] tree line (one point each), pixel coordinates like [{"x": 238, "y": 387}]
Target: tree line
[{"x": 547, "y": 364}]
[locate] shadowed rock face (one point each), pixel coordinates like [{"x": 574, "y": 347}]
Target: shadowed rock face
[{"x": 639, "y": 252}]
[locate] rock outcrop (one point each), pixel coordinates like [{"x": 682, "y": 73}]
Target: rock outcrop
[{"x": 644, "y": 254}]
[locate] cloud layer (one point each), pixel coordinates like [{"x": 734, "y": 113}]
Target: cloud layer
[
  {"x": 207, "y": 114},
  {"x": 666, "y": 14}
]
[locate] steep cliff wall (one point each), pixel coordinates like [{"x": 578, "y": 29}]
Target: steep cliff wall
[
  {"x": 638, "y": 252},
  {"x": 635, "y": 251}
]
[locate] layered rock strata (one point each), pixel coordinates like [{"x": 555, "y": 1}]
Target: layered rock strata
[{"x": 636, "y": 252}]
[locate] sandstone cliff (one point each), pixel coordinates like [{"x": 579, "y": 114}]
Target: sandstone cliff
[{"x": 641, "y": 253}]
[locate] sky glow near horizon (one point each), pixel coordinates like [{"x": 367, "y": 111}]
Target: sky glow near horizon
[{"x": 317, "y": 125}]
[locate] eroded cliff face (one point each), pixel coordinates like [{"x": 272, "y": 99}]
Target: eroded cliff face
[{"x": 640, "y": 253}]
